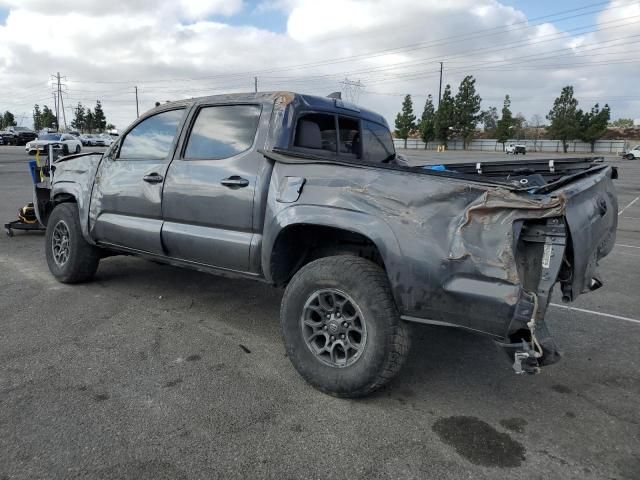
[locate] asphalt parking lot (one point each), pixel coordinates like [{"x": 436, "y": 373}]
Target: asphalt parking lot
[{"x": 154, "y": 372}]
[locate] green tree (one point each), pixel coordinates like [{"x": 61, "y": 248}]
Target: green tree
[
  {"x": 594, "y": 124},
  {"x": 467, "y": 109},
  {"x": 506, "y": 122},
  {"x": 8, "y": 120},
  {"x": 78, "y": 118},
  {"x": 445, "y": 116},
  {"x": 489, "y": 119},
  {"x": 405, "y": 120},
  {"x": 622, "y": 123},
  {"x": 89, "y": 121},
  {"x": 564, "y": 118},
  {"x": 37, "y": 118},
  {"x": 99, "y": 119},
  {"x": 49, "y": 119},
  {"x": 427, "y": 126}
]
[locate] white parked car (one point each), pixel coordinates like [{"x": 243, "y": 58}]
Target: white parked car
[
  {"x": 633, "y": 153},
  {"x": 86, "y": 139},
  {"x": 103, "y": 139},
  {"x": 515, "y": 149},
  {"x": 62, "y": 141}
]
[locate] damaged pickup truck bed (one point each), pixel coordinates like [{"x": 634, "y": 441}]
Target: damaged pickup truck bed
[{"x": 308, "y": 193}]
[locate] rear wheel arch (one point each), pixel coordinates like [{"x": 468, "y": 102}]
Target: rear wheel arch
[
  {"x": 299, "y": 244},
  {"x": 342, "y": 232}
]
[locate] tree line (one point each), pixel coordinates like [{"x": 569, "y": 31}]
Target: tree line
[
  {"x": 459, "y": 116},
  {"x": 84, "y": 119}
]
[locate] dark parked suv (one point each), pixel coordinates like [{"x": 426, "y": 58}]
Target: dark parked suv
[{"x": 18, "y": 136}]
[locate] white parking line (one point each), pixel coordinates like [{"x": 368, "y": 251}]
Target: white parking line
[
  {"x": 625, "y": 246},
  {"x": 628, "y": 254},
  {"x": 629, "y": 204},
  {"x": 591, "y": 312}
]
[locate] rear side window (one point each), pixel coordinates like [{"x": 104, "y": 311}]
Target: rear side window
[
  {"x": 377, "y": 144},
  {"x": 151, "y": 139},
  {"x": 222, "y": 131},
  {"x": 317, "y": 132}
]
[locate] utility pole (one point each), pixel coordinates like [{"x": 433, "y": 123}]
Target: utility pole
[
  {"x": 59, "y": 102},
  {"x": 440, "y": 89},
  {"x": 137, "y": 109},
  {"x": 55, "y": 109},
  {"x": 255, "y": 84}
]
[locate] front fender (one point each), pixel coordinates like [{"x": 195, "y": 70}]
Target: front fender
[{"x": 74, "y": 177}]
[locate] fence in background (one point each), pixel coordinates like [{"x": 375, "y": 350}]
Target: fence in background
[{"x": 490, "y": 145}]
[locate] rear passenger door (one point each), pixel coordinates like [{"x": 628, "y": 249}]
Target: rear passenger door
[{"x": 208, "y": 196}]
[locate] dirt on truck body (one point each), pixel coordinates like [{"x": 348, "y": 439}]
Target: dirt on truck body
[{"x": 308, "y": 193}]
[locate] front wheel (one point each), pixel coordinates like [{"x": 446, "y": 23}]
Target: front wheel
[
  {"x": 70, "y": 257},
  {"x": 341, "y": 327},
  {"x": 630, "y": 156}
]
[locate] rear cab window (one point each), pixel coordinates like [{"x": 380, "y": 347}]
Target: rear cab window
[
  {"x": 377, "y": 144},
  {"x": 316, "y": 133},
  {"x": 342, "y": 136}
]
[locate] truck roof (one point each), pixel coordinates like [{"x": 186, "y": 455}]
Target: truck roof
[{"x": 310, "y": 102}]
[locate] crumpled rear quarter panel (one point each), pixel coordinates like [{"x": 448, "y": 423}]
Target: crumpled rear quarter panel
[{"x": 453, "y": 258}]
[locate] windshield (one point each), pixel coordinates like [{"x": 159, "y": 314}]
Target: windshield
[{"x": 50, "y": 136}]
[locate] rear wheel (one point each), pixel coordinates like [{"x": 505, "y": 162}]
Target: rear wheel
[
  {"x": 71, "y": 259},
  {"x": 341, "y": 327},
  {"x": 78, "y": 149}
]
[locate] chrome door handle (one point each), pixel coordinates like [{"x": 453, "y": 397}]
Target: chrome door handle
[
  {"x": 152, "y": 178},
  {"x": 235, "y": 181}
]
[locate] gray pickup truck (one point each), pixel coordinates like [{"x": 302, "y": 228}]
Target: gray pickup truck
[{"x": 308, "y": 193}]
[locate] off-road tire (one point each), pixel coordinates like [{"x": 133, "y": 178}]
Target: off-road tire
[
  {"x": 388, "y": 340},
  {"x": 83, "y": 258}
]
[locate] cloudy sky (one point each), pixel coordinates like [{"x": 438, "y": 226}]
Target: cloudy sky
[{"x": 177, "y": 49}]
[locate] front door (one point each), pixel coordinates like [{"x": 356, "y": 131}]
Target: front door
[
  {"x": 209, "y": 193},
  {"x": 126, "y": 202}
]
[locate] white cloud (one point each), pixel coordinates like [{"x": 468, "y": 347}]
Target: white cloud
[
  {"x": 173, "y": 52},
  {"x": 201, "y": 8}
]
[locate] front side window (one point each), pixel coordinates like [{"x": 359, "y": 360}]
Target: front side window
[
  {"x": 152, "y": 138},
  {"x": 377, "y": 144},
  {"x": 222, "y": 131}
]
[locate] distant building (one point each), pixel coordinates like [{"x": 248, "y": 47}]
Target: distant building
[{"x": 636, "y": 122}]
